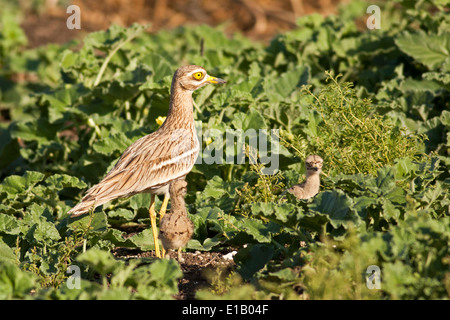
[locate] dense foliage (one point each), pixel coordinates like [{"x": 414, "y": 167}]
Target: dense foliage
[{"x": 373, "y": 103}]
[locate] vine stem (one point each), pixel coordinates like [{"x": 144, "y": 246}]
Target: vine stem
[{"x": 111, "y": 54}]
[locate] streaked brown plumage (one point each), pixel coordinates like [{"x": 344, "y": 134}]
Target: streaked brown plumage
[
  {"x": 310, "y": 187},
  {"x": 153, "y": 161},
  {"x": 176, "y": 228}
]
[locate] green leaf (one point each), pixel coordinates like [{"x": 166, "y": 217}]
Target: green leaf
[
  {"x": 41, "y": 230},
  {"x": 260, "y": 231},
  {"x": 285, "y": 274},
  {"x": 15, "y": 283},
  {"x": 7, "y": 254},
  {"x": 215, "y": 188},
  {"x": 115, "y": 236},
  {"x": 101, "y": 261},
  {"x": 430, "y": 49},
  {"x": 98, "y": 223},
  {"x": 252, "y": 259},
  {"x": 279, "y": 88},
  {"x": 284, "y": 213},
  {"x": 19, "y": 184},
  {"x": 144, "y": 240},
  {"x": 9, "y": 224},
  {"x": 245, "y": 121},
  {"x": 159, "y": 65},
  {"x": 390, "y": 211},
  {"x": 61, "y": 100},
  {"x": 122, "y": 213},
  {"x": 61, "y": 181},
  {"x": 158, "y": 280},
  {"x": 40, "y": 130},
  {"x": 337, "y": 206},
  {"x": 115, "y": 142},
  {"x": 207, "y": 244}
]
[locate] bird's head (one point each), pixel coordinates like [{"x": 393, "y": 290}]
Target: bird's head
[
  {"x": 193, "y": 77},
  {"x": 178, "y": 188},
  {"x": 314, "y": 164}
]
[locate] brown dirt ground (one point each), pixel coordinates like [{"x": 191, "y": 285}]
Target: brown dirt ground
[
  {"x": 194, "y": 267},
  {"x": 257, "y": 19}
]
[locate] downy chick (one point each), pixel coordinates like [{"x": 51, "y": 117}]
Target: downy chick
[
  {"x": 310, "y": 187},
  {"x": 176, "y": 228}
]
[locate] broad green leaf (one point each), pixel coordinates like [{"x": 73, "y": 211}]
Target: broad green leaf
[
  {"x": 61, "y": 181},
  {"x": 445, "y": 118},
  {"x": 207, "y": 244},
  {"x": 40, "y": 130},
  {"x": 15, "y": 283},
  {"x": 203, "y": 95},
  {"x": 166, "y": 272},
  {"x": 115, "y": 142},
  {"x": 141, "y": 200},
  {"x": 115, "y": 236},
  {"x": 144, "y": 240},
  {"x": 260, "y": 231},
  {"x": 158, "y": 280},
  {"x": 390, "y": 211},
  {"x": 159, "y": 65},
  {"x": 101, "y": 261},
  {"x": 9, "y": 224},
  {"x": 285, "y": 274},
  {"x": 252, "y": 259},
  {"x": 215, "y": 188},
  {"x": 7, "y": 254},
  {"x": 41, "y": 228},
  {"x": 385, "y": 180},
  {"x": 279, "y": 213},
  {"x": 419, "y": 85},
  {"x": 98, "y": 222},
  {"x": 361, "y": 204},
  {"x": 61, "y": 101},
  {"x": 246, "y": 121},
  {"x": 429, "y": 49},
  {"x": 122, "y": 213},
  {"x": 18, "y": 184},
  {"x": 280, "y": 88},
  {"x": 337, "y": 206}
]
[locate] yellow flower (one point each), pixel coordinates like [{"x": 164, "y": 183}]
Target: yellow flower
[
  {"x": 160, "y": 120},
  {"x": 209, "y": 141}
]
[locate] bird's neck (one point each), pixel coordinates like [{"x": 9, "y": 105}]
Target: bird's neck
[
  {"x": 181, "y": 112},
  {"x": 312, "y": 180},
  {"x": 178, "y": 204}
]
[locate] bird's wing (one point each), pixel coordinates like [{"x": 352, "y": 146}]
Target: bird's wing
[{"x": 150, "y": 162}]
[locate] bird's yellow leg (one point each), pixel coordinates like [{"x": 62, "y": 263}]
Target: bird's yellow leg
[
  {"x": 162, "y": 212},
  {"x": 153, "y": 224},
  {"x": 180, "y": 258}
]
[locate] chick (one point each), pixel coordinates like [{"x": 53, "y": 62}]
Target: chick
[
  {"x": 310, "y": 187},
  {"x": 176, "y": 228}
]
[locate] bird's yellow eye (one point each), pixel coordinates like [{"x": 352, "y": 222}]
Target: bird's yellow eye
[{"x": 198, "y": 75}]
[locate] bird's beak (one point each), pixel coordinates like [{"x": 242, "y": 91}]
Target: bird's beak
[{"x": 212, "y": 79}]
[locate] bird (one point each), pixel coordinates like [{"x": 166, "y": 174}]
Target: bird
[
  {"x": 152, "y": 162},
  {"x": 310, "y": 187},
  {"x": 176, "y": 228}
]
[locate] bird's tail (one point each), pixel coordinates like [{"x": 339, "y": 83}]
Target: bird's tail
[
  {"x": 96, "y": 196},
  {"x": 82, "y": 207}
]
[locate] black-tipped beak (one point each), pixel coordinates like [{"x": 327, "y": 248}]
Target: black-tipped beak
[{"x": 212, "y": 79}]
